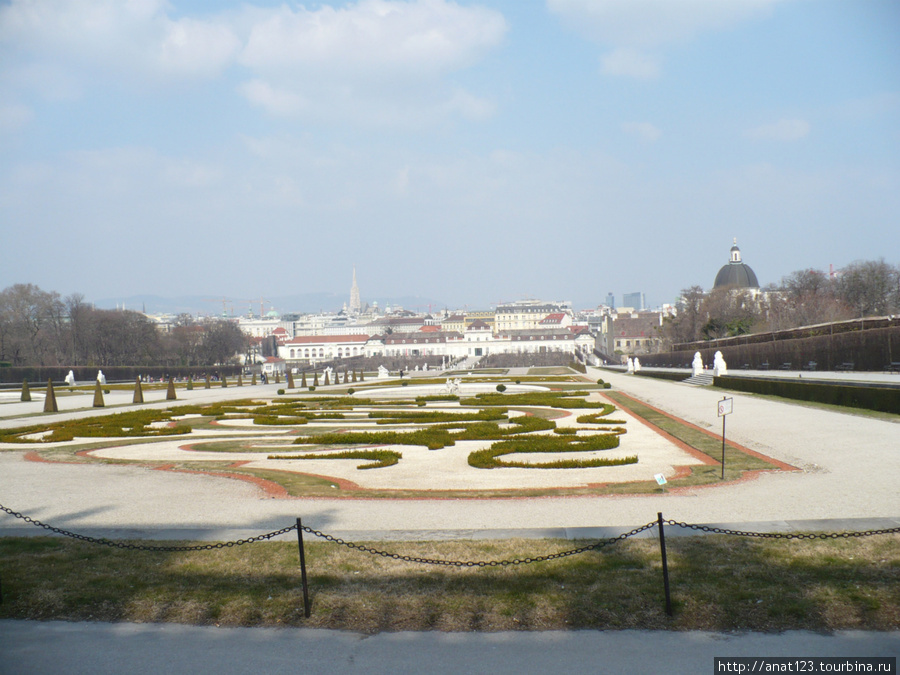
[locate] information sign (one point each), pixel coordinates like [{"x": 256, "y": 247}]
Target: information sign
[{"x": 726, "y": 406}]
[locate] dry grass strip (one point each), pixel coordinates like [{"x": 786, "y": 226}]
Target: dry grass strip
[{"x": 718, "y": 583}]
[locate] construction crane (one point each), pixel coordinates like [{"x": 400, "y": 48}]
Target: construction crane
[
  {"x": 224, "y": 302},
  {"x": 261, "y": 301}
]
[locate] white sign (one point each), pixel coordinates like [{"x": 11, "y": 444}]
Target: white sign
[
  {"x": 726, "y": 406},
  {"x": 660, "y": 479}
]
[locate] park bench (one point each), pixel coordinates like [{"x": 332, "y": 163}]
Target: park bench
[
  {"x": 785, "y": 366},
  {"x": 847, "y": 365},
  {"x": 810, "y": 366},
  {"x": 892, "y": 367},
  {"x": 764, "y": 366}
]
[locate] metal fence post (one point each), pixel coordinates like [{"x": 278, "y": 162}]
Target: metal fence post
[
  {"x": 665, "y": 564},
  {"x": 303, "y": 583}
]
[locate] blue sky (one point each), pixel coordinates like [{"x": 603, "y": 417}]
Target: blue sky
[{"x": 468, "y": 152}]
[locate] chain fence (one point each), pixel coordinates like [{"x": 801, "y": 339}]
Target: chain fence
[
  {"x": 479, "y": 563},
  {"x": 596, "y": 546},
  {"x": 782, "y": 535},
  {"x": 142, "y": 547},
  {"x": 659, "y": 523}
]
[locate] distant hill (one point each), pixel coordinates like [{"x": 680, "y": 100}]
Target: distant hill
[{"x": 299, "y": 303}]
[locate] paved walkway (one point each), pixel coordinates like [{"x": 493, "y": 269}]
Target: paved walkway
[{"x": 100, "y": 649}]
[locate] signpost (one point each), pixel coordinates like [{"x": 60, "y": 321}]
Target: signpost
[{"x": 726, "y": 407}]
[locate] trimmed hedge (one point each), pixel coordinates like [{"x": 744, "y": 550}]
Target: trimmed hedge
[
  {"x": 677, "y": 376},
  {"x": 489, "y": 458},
  {"x": 397, "y": 417},
  {"x": 379, "y": 458},
  {"x": 881, "y": 399},
  {"x": 550, "y": 399}
]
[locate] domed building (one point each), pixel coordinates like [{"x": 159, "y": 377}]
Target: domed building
[{"x": 736, "y": 274}]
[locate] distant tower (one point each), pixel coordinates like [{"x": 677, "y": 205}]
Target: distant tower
[{"x": 355, "y": 304}]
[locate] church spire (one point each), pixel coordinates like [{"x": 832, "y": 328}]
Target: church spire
[{"x": 355, "y": 304}]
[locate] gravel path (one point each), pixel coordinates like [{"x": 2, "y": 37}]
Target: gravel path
[{"x": 849, "y": 469}]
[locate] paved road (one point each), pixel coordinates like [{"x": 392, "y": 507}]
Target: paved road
[{"x": 98, "y": 649}]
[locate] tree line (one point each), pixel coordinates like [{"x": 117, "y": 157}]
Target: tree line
[
  {"x": 802, "y": 298},
  {"x": 40, "y": 328}
]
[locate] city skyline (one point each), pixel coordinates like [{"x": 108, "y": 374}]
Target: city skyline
[{"x": 470, "y": 153}]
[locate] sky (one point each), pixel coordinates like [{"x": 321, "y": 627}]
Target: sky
[{"x": 467, "y": 152}]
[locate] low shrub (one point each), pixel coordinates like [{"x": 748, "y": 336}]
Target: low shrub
[
  {"x": 597, "y": 418},
  {"x": 281, "y": 392},
  {"x": 272, "y": 420},
  {"x": 490, "y": 457},
  {"x": 379, "y": 458}
]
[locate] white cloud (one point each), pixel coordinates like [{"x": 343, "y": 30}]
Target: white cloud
[
  {"x": 381, "y": 61},
  {"x": 197, "y": 47},
  {"x": 276, "y": 101},
  {"x": 652, "y": 23},
  {"x": 376, "y": 61},
  {"x": 782, "y": 130},
  {"x": 412, "y": 38},
  {"x": 643, "y": 130},
  {"x": 631, "y": 27},
  {"x": 630, "y": 63},
  {"x": 103, "y": 37}
]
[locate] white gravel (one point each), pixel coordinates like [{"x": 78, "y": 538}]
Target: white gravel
[{"x": 850, "y": 467}]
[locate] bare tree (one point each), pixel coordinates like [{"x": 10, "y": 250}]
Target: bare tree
[{"x": 870, "y": 287}]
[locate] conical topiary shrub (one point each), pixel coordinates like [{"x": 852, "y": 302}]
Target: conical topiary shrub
[
  {"x": 354, "y": 376},
  {"x": 303, "y": 380},
  {"x": 170, "y": 392},
  {"x": 50, "y": 400},
  {"x": 98, "y": 396},
  {"x": 277, "y": 377},
  {"x": 138, "y": 391},
  {"x": 290, "y": 380},
  {"x": 240, "y": 380},
  {"x": 316, "y": 380},
  {"x": 253, "y": 381},
  {"x": 190, "y": 384},
  {"x": 26, "y": 392},
  {"x": 326, "y": 381},
  {"x": 224, "y": 381},
  {"x": 207, "y": 381},
  {"x": 362, "y": 376}
]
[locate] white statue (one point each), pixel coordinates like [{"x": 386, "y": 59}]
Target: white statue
[
  {"x": 629, "y": 365},
  {"x": 697, "y": 365},
  {"x": 101, "y": 378},
  {"x": 70, "y": 379},
  {"x": 417, "y": 367},
  {"x": 425, "y": 367},
  {"x": 719, "y": 365},
  {"x": 637, "y": 364},
  {"x": 383, "y": 373}
]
